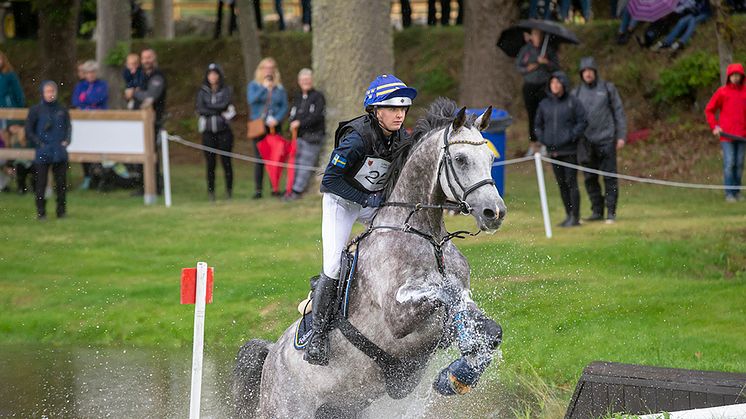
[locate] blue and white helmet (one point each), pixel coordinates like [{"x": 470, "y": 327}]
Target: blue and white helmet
[{"x": 387, "y": 90}]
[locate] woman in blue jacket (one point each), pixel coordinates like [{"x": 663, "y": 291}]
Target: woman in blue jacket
[
  {"x": 11, "y": 94},
  {"x": 48, "y": 129},
  {"x": 268, "y": 101},
  {"x": 90, "y": 93}
]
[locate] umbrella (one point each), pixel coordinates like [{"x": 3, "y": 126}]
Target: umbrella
[
  {"x": 274, "y": 148},
  {"x": 511, "y": 39},
  {"x": 650, "y": 10},
  {"x": 292, "y": 148}
]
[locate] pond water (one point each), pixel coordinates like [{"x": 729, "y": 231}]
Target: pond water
[{"x": 149, "y": 383}]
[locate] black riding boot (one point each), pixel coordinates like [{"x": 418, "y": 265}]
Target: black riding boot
[{"x": 317, "y": 351}]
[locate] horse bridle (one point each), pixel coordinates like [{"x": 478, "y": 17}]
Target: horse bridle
[{"x": 446, "y": 163}]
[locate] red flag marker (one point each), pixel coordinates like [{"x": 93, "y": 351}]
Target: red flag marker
[{"x": 189, "y": 285}]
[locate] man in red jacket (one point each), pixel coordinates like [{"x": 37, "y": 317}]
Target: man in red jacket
[{"x": 730, "y": 102}]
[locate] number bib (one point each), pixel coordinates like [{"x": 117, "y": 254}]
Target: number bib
[{"x": 373, "y": 174}]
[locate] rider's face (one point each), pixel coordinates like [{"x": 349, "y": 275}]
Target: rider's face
[{"x": 391, "y": 118}]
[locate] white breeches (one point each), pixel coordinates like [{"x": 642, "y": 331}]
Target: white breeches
[{"x": 336, "y": 225}]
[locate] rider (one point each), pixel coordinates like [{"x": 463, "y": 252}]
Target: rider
[{"x": 353, "y": 186}]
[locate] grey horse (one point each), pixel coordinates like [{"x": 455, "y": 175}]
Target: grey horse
[{"x": 404, "y": 300}]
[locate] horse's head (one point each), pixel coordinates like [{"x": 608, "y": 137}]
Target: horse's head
[{"x": 465, "y": 171}]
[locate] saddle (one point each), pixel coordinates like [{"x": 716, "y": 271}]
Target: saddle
[{"x": 304, "y": 330}]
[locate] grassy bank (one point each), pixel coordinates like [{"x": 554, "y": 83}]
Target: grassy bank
[{"x": 664, "y": 286}]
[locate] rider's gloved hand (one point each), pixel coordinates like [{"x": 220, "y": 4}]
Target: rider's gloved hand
[{"x": 374, "y": 200}]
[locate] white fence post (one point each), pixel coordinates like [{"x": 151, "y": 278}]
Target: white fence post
[
  {"x": 543, "y": 195},
  {"x": 166, "y": 168},
  {"x": 199, "y": 340}
]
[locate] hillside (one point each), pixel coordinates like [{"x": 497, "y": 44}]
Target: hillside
[{"x": 678, "y": 146}]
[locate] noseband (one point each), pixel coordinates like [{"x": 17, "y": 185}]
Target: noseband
[{"x": 446, "y": 163}]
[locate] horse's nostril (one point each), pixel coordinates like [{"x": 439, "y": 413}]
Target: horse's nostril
[{"x": 489, "y": 214}]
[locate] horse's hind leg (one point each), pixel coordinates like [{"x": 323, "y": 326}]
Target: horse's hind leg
[
  {"x": 327, "y": 411},
  {"x": 247, "y": 376}
]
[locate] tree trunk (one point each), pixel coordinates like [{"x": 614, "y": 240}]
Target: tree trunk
[
  {"x": 352, "y": 44},
  {"x": 250, "y": 49},
  {"x": 58, "y": 28},
  {"x": 486, "y": 70},
  {"x": 163, "y": 19},
  {"x": 724, "y": 35},
  {"x": 113, "y": 36}
]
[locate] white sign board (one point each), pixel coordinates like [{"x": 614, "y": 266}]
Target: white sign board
[{"x": 107, "y": 137}]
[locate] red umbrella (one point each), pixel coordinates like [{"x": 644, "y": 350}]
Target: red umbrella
[
  {"x": 291, "y": 161},
  {"x": 650, "y": 10},
  {"x": 274, "y": 148}
]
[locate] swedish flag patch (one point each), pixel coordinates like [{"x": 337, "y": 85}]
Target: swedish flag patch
[{"x": 339, "y": 161}]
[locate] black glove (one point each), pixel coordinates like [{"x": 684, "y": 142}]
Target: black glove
[{"x": 374, "y": 200}]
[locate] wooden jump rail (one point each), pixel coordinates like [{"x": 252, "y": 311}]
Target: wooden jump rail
[
  {"x": 609, "y": 387},
  {"x": 148, "y": 157}
]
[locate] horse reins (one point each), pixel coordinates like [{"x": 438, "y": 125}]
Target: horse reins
[{"x": 462, "y": 206}]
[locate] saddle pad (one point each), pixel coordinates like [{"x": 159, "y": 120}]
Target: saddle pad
[{"x": 304, "y": 331}]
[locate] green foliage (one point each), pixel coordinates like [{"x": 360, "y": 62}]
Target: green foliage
[
  {"x": 686, "y": 76},
  {"x": 117, "y": 55},
  {"x": 87, "y": 28}
]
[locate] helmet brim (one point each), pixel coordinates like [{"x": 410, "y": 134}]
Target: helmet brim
[{"x": 397, "y": 98}]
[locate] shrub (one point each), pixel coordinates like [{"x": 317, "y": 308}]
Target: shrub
[{"x": 687, "y": 75}]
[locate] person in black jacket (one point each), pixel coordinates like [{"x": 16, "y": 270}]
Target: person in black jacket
[
  {"x": 151, "y": 93},
  {"x": 49, "y": 130},
  {"x": 307, "y": 116},
  {"x": 215, "y": 112},
  {"x": 560, "y": 122}
]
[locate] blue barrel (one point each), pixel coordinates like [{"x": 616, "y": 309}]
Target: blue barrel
[{"x": 495, "y": 135}]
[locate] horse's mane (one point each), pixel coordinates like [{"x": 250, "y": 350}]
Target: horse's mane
[{"x": 439, "y": 114}]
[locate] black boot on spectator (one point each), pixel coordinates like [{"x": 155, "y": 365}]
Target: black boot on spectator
[
  {"x": 595, "y": 217},
  {"x": 570, "y": 221},
  {"x": 611, "y": 219},
  {"x": 229, "y": 194},
  {"x": 622, "y": 38},
  {"x": 257, "y": 195}
]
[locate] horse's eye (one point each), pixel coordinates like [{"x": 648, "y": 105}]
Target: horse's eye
[{"x": 461, "y": 159}]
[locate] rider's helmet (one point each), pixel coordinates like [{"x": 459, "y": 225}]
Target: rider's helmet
[{"x": 387, "y": 90}]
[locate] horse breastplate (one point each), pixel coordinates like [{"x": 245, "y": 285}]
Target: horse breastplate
[{"x": 372, "y": 173}]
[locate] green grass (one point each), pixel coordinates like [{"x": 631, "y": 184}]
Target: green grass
[{"x": 664, "y": 286}]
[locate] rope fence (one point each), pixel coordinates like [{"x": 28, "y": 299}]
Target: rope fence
[
  {"x": 537, "y": 158},
  {"x": 662, "y": 182}
]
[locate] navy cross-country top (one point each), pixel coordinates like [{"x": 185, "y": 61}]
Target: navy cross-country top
[{"x": 359, "y": 165}]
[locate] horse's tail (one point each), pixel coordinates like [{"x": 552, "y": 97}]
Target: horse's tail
[{"x": 247, "y": 376}]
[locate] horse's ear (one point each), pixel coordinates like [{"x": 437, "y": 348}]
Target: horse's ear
[
  {"x": 460, "y": 119},
  {"x": 484, "y": 119}
]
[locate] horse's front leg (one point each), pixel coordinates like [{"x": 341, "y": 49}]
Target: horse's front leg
[{"x": 477, "y": 337}]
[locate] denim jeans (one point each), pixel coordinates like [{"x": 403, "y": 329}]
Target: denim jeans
[
  {"x": 628, "y": 24},
  {"x": 684, "y": 28},
  {"x": 585, "y": 6},
  {"x": 533, "y": 9},
  {"x": 733, "y": 154}
]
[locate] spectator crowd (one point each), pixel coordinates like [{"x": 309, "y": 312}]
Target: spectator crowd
[{"x": 582, "y": 125}]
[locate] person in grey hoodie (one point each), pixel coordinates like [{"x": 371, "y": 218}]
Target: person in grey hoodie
[
  {"x": 560, "y": 122},
  {"x": 607, "y": 129},
  {"x": 215, "y": 112}
]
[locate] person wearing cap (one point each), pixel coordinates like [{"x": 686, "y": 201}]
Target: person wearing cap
[
  {"x": 91, "y": 93},
  {"x": 726, "y": 114},
  {"x": 215, "y": 113},
  {"x": 353, "y": 183},
  {"x": 607, "y": 129}
]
